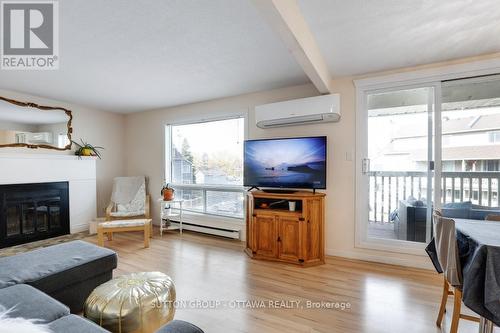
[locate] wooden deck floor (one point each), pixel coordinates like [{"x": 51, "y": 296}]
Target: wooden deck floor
[
  {"x": 382, "y": 298},
  {"x": 381, "y": 230}
]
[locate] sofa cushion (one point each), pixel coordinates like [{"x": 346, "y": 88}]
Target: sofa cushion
[
  {"x": 57, "y": 266},
  {"x": 179, "y": 326},
  {"x": 457, "y": 210},
  {"x": 480, "y": 212},
  {"x": 29, "y": 303},
  {"x": 458, "y": 205},
  {"x": 456, "y": 213},
  {"x": 75, "y": 324}
]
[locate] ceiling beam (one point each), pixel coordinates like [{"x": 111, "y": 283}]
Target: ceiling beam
[{"x": 286, "y": 19}]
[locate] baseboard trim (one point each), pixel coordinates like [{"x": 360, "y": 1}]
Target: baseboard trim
[
  {"x": 234, "y": 234},
  {"x": 420, "y": 262},
  {"x": 79, "y": 228}
]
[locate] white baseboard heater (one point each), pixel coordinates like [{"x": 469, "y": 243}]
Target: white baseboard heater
[{"x": 224, "y": 232}]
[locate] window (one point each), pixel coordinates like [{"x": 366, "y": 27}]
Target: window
[
  {"x": 492, "y": 165},
  {"x": 494, "y": 136},
  {"x": 205, "y": 165}
]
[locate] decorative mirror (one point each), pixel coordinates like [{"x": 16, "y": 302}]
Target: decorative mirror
[{"x": 34, "y": 126}]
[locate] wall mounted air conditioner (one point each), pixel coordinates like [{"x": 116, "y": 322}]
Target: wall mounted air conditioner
[{"x": 311, "y": 110}]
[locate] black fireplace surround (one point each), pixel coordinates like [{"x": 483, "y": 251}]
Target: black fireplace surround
[{"x": 31, "y": 212}]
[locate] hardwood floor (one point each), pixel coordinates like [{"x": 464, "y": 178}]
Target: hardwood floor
[{"x": 382, "y": 298}]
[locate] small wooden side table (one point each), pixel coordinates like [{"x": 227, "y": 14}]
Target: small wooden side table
[{"x": 175, "y": 211}]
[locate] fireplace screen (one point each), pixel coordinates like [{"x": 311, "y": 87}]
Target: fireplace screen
[{"x": 33, "y": 212}]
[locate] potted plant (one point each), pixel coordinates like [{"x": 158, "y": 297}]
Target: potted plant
[
  {"x": 86, "y": 149},
  {"x": 167, "y": 192}
]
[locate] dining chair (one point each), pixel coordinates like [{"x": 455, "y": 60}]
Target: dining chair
[
  {"x": 449, "y": 260},
  {"x": 493, "y": 217}
]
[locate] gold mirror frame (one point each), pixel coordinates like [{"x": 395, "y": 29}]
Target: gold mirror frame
[{"x": 42, "y": 108}]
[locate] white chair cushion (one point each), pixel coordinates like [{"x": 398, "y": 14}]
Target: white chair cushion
[{"x": 123, "y": 223}]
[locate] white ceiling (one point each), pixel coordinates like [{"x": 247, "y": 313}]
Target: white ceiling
[
  {"x": 135, "y": 55},
  {"x": 362, "y": 36}
]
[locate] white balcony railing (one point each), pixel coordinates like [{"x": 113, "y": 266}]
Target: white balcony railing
[{"x": 387, "y": 188}]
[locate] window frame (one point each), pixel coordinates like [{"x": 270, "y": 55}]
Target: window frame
[{"x": 204, "y": 188}]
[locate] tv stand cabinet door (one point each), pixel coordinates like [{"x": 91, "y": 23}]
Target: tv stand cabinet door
[
  {"x": 289, "y": 238},
  {"x": 266, "y": 235},
  {"x": 313, "y": 248}
]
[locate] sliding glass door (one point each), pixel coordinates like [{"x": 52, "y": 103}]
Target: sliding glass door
[
  {"x": 470, "y": 147},
  {"x": 406, "y": 132},
  {"x": 397, "y": 169}
]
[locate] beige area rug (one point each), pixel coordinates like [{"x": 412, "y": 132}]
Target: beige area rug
[{"x": 10, "y": 251}]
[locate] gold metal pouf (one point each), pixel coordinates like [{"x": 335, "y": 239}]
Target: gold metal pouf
[{"x": 132, "y": 303}]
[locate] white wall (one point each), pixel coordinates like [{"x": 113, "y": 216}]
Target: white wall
[
  {"x": 97, "y": 127},
  {"x": 145, "y": 130},
  {"x": 144, "y": 151},
  {"x": 145, "y": 143}
]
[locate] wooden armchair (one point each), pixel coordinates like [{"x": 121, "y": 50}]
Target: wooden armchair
[{"x": 129, "y": 199}]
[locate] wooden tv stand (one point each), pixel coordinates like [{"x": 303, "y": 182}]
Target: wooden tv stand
[{"x": 275, "y": 233}]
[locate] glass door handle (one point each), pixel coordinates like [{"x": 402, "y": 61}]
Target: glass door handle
[{"x": 365, "y": 165}]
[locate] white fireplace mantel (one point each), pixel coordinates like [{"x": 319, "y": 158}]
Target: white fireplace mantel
[{"x": 80, "y": 173}]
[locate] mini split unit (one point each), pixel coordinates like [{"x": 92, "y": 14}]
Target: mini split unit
[{"x": 311, "y": 110}]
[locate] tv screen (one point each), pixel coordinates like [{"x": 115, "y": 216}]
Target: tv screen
[{"x": 286, "y": 163}]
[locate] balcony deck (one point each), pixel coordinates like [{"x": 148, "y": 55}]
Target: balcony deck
[{"x": 381, "y": 230}]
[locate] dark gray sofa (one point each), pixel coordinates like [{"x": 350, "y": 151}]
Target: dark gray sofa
[
  {"x": 28, "y": 302},
  {"x": 49, "y": 283},
  {"x": 410, "y": 217},
  {"x": 67, "y": 272}
]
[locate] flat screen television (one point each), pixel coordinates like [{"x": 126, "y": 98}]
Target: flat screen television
[{"x": 296, "y": 163}]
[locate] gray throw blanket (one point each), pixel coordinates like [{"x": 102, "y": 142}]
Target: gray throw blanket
[{"x": 125, "y": 189}]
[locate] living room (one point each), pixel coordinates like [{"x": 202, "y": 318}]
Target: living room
[{"x": 131, "y": 195}]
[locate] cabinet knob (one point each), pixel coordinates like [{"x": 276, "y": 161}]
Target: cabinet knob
[{"x": 301, "y": 219}]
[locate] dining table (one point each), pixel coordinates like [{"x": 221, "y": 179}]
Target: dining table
[{"x": 479, "y": 251}]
